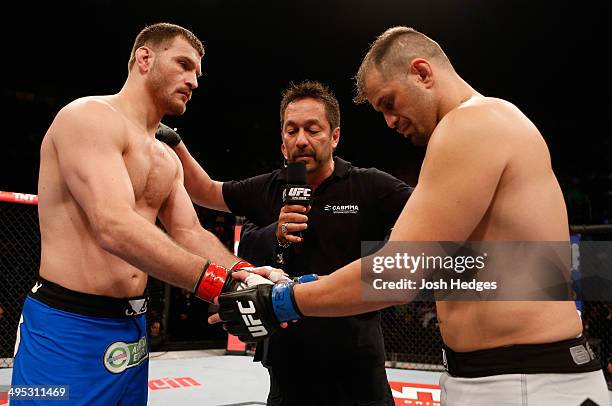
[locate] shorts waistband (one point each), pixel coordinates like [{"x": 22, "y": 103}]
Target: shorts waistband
[
  {"x": 567, "y": 356},
  {"x": 87, "y": 304}
]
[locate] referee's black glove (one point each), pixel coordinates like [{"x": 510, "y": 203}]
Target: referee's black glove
[{"x": 167, "y": 135}]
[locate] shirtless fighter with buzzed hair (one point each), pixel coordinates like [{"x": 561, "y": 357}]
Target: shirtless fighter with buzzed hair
[
  {"x": 486, "y": 176},
  {"x": 104, "y": 180}
]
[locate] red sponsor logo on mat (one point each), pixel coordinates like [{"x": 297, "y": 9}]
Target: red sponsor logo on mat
[
  {"x": 173, "y": 383},
  {"x": 415, "y": 394}
]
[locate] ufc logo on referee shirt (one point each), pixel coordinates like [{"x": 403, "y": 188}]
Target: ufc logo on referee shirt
[{"x": 255, "y": 326}]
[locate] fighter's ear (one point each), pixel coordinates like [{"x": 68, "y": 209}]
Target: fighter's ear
[
  {"x": 422, "y": 70},
  {"x": 144, "y": 58}
]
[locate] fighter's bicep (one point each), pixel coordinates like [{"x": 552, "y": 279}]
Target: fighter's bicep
[
  {"x": 456, "y": 185},
  {"x": 91, "y": 162},
  {"x": 177, "y": 214}
]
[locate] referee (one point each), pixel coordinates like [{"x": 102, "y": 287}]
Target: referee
[{"x": 316, "y": 361}]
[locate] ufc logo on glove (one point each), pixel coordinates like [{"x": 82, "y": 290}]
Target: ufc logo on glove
[
  {"x": 255, "y": 326},
  {"x": 271, "y": 303}
]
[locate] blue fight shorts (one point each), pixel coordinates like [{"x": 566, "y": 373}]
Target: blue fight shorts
[{"x": 95, "y": 345}]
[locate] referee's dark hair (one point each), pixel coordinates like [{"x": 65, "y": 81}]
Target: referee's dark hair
[{"x": 315, "y": 90}]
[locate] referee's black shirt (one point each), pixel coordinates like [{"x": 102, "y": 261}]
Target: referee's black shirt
[{"x": 352, "y": 205}]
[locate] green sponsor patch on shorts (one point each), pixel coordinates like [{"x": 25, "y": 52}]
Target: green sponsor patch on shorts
[{"x": 120, "y": 355}]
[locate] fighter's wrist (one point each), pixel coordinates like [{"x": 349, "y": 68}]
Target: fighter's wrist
[
  {"x": 311, "y": 277},
  {"x": 241, "y": 264},
  {"x": 211, "y": 282},
  {"x": 283, "y": 302}
]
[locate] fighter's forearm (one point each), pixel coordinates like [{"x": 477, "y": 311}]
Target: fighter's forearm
[
  {"x": 338, "y": 294},
  {"x": 143, "y": 245},
  {"x": 201, "y": 188},
  {"x": 205, "y": 244}
]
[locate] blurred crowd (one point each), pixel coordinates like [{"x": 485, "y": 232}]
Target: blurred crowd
[{"x": 588, "y": 198}]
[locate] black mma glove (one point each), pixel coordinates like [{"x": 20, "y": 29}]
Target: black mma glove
[
  {"x": 167, "y": 135},
  {"x": 255, "y": 314}
]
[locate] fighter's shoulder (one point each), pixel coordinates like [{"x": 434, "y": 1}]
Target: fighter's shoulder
[
  {"x": 88, "y": 116},
  {"x": 478, "y": 130},
  {"x": 481, "y": 119},
  {"x": 96, "y": 108}
]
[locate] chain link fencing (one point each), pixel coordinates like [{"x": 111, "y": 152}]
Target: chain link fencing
[{"x": 19, "y": 260}]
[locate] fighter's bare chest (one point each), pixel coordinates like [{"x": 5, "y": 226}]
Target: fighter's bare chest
[{"x": 152, "y": 171}]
